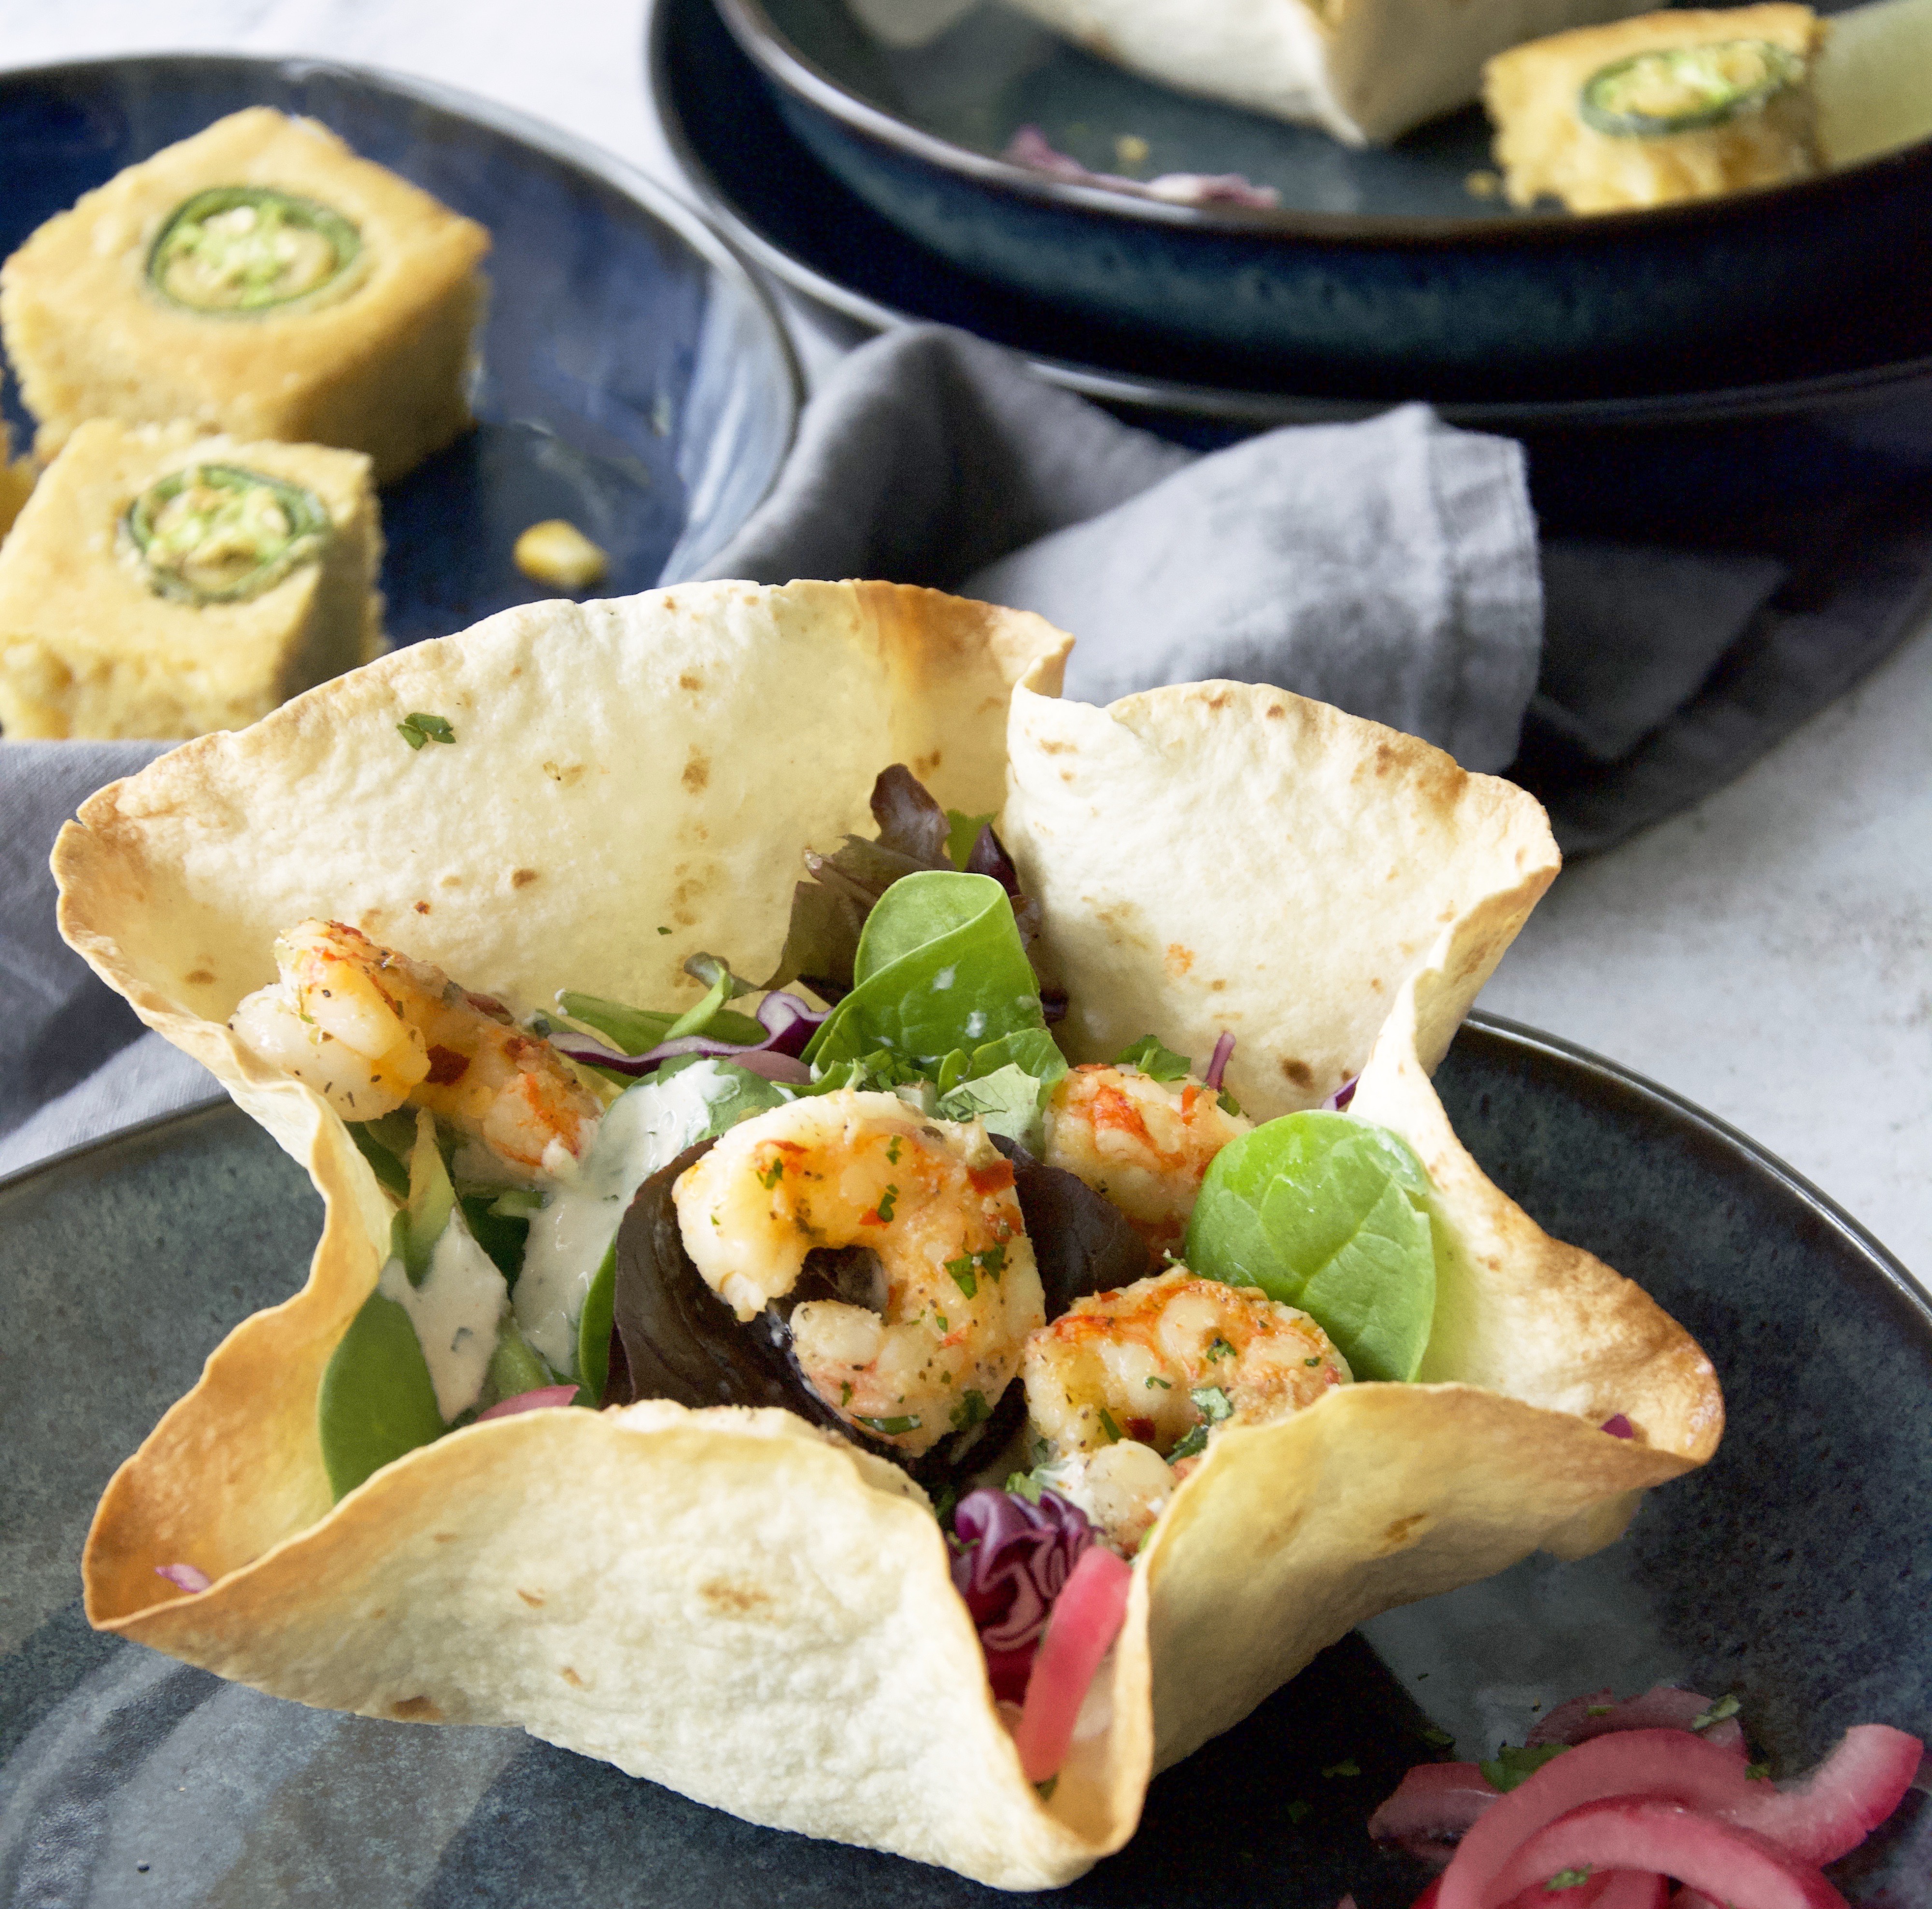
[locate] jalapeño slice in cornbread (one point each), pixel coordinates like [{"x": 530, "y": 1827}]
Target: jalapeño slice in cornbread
[
  {"x": 1668, "y": 106},
  {"x": 242, "y": 249},
  {"x": 258, "y": 279},
  {"x": 162, "y": 583},
  {"x": 216, "y": 533}
]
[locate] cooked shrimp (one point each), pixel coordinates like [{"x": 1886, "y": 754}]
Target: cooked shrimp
[
  {"x": 369, "y": 1028},
  {"x": 1156, "y": 1360},
  {"x": 1143, "y": 1143},
  {"x": 932, "y": 1199},
  {"x": 1123, "y": 1488}
]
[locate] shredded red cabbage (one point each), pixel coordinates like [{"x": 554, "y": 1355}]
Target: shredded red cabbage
[
  {"x": 1030, "y": 147},
  {"x": 789, "y": 1023},
  {"x": 1618, "y": 1427},
  {"x": 1011, "y": 1559},
  {"x": 1217, "y": 1064},
  {"x": 185, "y": 1575},
  {"x": 1337, "y": 1103}
]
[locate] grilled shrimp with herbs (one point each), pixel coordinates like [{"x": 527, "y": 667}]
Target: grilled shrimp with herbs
[
  {"x": 370, "y": 1029},
  {"x": 957, "y": 1290},
  {"x": 1144, "y": 1144}
]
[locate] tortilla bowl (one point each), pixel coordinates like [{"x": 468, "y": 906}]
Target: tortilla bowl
[{"x": 730, "y": 1601}]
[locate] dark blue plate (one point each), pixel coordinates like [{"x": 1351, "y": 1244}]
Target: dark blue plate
[
  {"x": 635, "y": 379},
  {"x": 1665, "y": 464},
  {"x": 1379, "y": 276},
  {"x": 1796, "y": 1570}
]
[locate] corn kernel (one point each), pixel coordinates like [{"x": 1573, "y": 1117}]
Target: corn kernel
[{"x": 560, "y": 554}]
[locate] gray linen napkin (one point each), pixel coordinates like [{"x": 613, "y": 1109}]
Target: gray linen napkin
[{"x": 1388, "y": 567}]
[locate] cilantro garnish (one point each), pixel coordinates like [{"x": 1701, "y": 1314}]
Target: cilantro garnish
[
  {"x": 1297, "y": 1810},
  {"x": 845, "y": 1393},
  {"x": 945, "y": 1505},
  {"x": 420, "y": 726},
  {"x": 1212, "y": 1404},
  {"x": 892, "y": 1152},
  {"x": 1024, "y": 1485},
  {"x": 1191, "y": 1446},
  {"x": 1348, "y": 1766},
  {"x": 1440, "y": 1740},
  {"x": 1514, "y": 1763},
  {"x": 962, "y": 1270},
  {"x": 889, "y": 1428},
  {"x": 1046, "y": 1786},
  {"x": 770, "y": 1177},
  {"x": 1598, "y": 1709},
  {"x": 1156, "y": 1062},
  {"x": 1218, "y": 1348},
  {"x": 1569, "y": 1878},
  {"x": 1727, "y": 1706},
  {"x": 887, "y": 1201},
  {"x": 1166, "y": 1385},
  {"x": 663, "y": 931},
  {"x": 992, "y": 1263},
  {"x": 971, "y": 1410},
  {"x": 1107, "y": 1425},
  {"x": 1757, "y": 1772},
  {"x": 1316, "y": 1360}
]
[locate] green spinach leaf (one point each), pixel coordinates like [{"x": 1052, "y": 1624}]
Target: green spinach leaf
[
  {"x": 376, "y": 1401},
  {"x": 1330, "y": 1214},
  {"x": 1156, "y": 1062},
  {"x": 940, "y": 966}
]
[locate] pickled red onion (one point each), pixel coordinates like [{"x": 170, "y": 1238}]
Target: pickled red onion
[
  {"x": 1432, "y": 1808},
  {"x": 535, "y": 1401},
  {"x": 1087, "y": 1618}
]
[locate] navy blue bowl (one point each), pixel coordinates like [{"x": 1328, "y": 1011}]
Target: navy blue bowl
[
  {"x": 636, "y": 380},
  {"x": 1396, "y": 296},
  {"x": 1795, "y": 1570}
]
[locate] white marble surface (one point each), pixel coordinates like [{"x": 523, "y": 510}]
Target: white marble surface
[{"x": 1768, "y": 954}]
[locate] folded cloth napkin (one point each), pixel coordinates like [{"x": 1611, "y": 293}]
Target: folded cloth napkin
[{"x": 1391, "y": 567}]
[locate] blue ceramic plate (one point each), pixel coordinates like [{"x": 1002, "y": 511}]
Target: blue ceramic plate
[
  {"x": 1796, "y": 1570},
  {"x": 635, "y": 379},
  {"x": 1379, "y": 275}
]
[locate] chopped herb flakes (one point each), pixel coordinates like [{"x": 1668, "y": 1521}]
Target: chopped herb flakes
[
  {"x": 1212, "y": 1404},
  {"x": 889, "y": 1428},
  {"x": 845, "y": 1393},
  {"x": 1316, "y": 1360},
  {"x": 1727, "y": 1706},
  {"x": 1298, "y": 1810},
  {"x": 1348, "y": 1766},
  {"x": 1046, "y": 1786},
  {"x": 1757, "y": 1772},
  {"x": 772, "y": 1174},
  {"x": 887, "y": 1200},
  {"x": 1439, "y": 1739},
  {"x": 893, "y": 1151},
  {"x": 1166, "y": 1385},
  {"x": 420, "y": 727},
  {"x": 1219, "y": 1349},
  {"x": 1156, "y": 1062},
  {"x": 1569, "y": 1878},
  {"x": 971, "y": 1410},
  {"x": 962, "y": 1270},
  {"x": 1514, "y": 1763},
  {"x": 1598, "y": 1709},
  {"x": 1107, "y": 1425}
]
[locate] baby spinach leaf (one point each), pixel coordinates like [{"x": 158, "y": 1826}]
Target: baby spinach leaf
[
  {"x": 1330, "y": 1214},
  {"x": 1008, "y": 1101},
  {"x": 739, "y": 1093},
  {"x": 376, "y": 1401},
  {"x": 593, "y": 1327},
  {"x": 940, "y": 966}
]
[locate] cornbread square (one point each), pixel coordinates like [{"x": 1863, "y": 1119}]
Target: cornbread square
[
  {"x": 1543, "y": 145},
  {"x": 374, "y": 361},
  {"x": 90, "y": 646}
]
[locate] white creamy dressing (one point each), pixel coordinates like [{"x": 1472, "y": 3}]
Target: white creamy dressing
[
  {"x": 645, "y": 1128},
  {"x": 456, "y": 1312}
]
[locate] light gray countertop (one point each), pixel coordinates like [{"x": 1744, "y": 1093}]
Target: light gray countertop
[{"x": 1768, "y": 954}]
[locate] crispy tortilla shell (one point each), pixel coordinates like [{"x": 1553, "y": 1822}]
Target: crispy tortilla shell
[{"x": 728, "y": 1600}]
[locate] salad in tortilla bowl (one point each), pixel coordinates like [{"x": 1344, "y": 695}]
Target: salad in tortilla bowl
[{"x": 891, "y": 1260}]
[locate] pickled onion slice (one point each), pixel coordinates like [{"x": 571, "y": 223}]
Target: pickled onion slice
[
  {"x": 1086, "y": 1619},
  {"x": 1433, "y": 1809},
  {"x": 1669, "y": 1763},
  {"x": 1661, "y": 1707},
  {"x": 1643, "y": 1833},
  {"x": 535, "y": 1401},
  {"x": 1832, "y": 1811}
]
